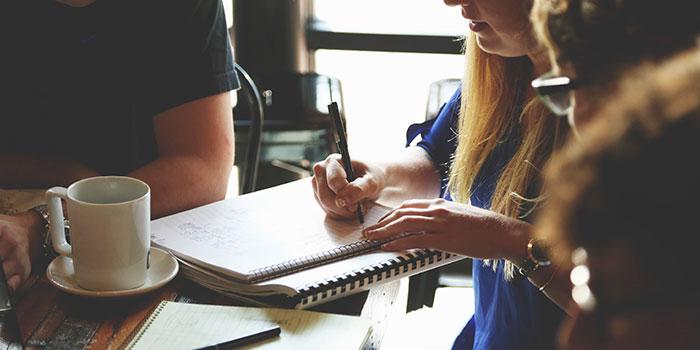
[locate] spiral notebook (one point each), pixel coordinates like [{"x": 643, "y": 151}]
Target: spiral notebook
[
  {"x": 175, "y": 326},
  {"x": 277, "y": 247}
]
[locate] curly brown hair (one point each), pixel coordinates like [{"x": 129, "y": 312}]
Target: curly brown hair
[
  {"x": 635, "y": 179},
  {"x": 597, "y": 39}
]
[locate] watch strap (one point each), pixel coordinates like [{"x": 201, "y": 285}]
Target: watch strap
[
  {"x": 527, "y": 267},
  {"x": 43, "y": 211},
  {"x": 46, "y": 246}
]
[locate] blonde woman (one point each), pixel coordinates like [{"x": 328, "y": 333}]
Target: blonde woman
[{"x": 504, "y": 138}]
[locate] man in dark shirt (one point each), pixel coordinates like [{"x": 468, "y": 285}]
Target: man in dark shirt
[{"x": 137, "y": 88}]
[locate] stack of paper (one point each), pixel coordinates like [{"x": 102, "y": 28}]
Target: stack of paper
[{"x": 277, "y": 247}]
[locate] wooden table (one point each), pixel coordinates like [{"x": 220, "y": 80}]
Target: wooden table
[{"x": 51, "y": 319}]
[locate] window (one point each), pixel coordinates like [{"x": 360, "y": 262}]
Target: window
[
  {"x": 384, "y": 92},
  {"x": 384, "y": 16}
]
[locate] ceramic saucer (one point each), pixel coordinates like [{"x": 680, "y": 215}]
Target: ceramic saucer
[{"x": 163, "y": 268}]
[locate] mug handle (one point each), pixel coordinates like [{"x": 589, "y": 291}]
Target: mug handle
[{"x": 56, "y": 225}]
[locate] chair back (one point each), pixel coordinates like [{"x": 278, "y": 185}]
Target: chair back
[
  {"x": 297, "y": 128},
  {"x": 439, "y": 93},
  {"x": 250, "y": 101}
]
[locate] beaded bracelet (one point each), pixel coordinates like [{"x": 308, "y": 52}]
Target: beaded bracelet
[{"x": 551, "y": 278}]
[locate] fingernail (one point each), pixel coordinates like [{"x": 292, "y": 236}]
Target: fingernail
[{"x": 340, "y": 202}]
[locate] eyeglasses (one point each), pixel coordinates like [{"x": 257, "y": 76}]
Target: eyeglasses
[{"x": 554, "y": 92}]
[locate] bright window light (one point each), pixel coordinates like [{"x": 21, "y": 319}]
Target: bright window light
[
  {"x": 384, "y": 92},
  {"x": 384, "y": 16}
]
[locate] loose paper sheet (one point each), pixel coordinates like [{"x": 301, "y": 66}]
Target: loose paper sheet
[{"x": 188, "y": 326}]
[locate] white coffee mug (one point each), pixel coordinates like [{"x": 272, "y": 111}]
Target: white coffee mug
[{"x": 110, "y": 230}]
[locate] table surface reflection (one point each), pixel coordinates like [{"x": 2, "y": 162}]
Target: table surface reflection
[{"x": 49, "y": 318}]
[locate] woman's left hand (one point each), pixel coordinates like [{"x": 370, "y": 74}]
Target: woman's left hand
[{"x": 454, "y": 227}]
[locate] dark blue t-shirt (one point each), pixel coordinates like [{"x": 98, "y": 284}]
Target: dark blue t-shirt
[
  {"x": 508, "y": 314},
  {"x": 85, "y": 83}
]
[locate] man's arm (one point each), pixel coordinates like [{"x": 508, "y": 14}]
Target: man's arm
[
  {"x": 195, "y": 146},
  {"x": 195, "y": 155}
]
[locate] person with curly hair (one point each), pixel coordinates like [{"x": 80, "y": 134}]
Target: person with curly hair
[{"x": 622, "y": 206}]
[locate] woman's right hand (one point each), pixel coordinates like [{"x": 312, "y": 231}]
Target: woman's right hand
[{"x": 336, "y": 195}]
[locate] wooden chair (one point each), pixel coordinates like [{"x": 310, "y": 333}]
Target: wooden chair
[{"x": 250, "y": 101}]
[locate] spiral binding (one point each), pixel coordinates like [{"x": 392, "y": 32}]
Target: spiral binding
[
  {"x": 309, "y": 261},
  {"x": 360, "y": 278},
  {"x": 334, "y": 287},
  {"x": 147, "y": 324}
]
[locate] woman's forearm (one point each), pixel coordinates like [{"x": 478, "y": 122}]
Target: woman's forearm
[
  {"x": 554, "y": 283},
  {"x": 410, "y": 174},
  {"x": 553, "y": 280}
]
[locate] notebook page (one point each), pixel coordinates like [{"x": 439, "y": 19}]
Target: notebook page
[
  {"x": 268, "y": 227},
  {"x": 187, "y": 326},
  {"x": 313, "y": 330}
]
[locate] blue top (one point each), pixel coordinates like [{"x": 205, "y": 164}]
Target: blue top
[{"x": 507, "y": 315}]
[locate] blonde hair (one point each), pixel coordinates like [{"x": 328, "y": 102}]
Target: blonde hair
[{"x": 493, "y": 93}]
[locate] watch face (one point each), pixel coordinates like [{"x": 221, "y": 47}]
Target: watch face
[{"x": 540, "y": 251}]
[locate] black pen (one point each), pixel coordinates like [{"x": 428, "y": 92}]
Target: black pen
[
  {"x": 245, "y": 340},
  {"x": 342, "y": 144}
]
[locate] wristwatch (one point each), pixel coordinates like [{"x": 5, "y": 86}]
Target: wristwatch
[
  {"x": 46, "y": 246},
  {"x": 537, "y": 256}
]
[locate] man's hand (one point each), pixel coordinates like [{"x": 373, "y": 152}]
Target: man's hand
[{"x": 20, "y": 244}]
